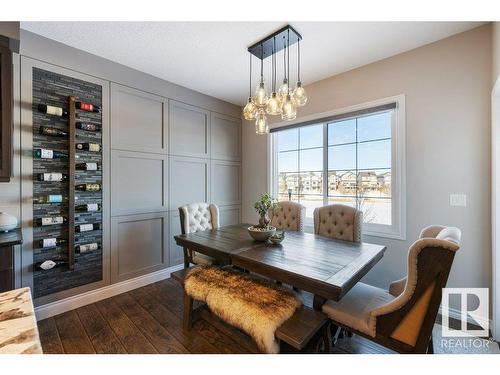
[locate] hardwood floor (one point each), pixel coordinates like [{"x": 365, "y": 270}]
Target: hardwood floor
[{"x": 149, "y": 320}]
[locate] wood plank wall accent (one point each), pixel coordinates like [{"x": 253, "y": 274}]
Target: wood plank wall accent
[{"x": 53, "y": 89}]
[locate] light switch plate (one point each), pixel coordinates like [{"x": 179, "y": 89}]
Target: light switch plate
[{"x": 459, "y": 200}]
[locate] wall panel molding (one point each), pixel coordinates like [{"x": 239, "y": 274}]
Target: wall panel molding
[
  {"x": 139, "y": 183},
  {"x": 139, "y": 120},
  {"x": 225, "y": 137}
]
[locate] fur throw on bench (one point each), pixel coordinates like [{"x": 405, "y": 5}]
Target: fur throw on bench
[{"x": 255, "y": 306}]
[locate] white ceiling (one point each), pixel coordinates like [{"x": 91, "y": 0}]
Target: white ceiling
[{"x": 211, "y": 57}]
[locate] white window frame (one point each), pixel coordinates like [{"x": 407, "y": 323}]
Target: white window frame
[{"x": 397, "y": 230}]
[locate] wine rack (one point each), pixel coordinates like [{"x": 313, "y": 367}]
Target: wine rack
[{"x": 72, "y": 269}]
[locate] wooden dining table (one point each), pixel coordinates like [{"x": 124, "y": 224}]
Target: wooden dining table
[{"x": 326, "y": 267}]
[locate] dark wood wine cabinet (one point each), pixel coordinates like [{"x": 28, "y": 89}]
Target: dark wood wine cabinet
[{"x": 5, "y": 114}]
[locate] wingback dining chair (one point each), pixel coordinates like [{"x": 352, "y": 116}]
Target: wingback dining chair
[
  {"x": 402, "y": 317},
  {"x": 338, "y": 221},
  {"x": 288, "y": 216},
  {"x": 197, "y": 217}
]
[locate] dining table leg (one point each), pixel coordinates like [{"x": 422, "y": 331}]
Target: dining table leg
[{"x": 318, "y": 302}]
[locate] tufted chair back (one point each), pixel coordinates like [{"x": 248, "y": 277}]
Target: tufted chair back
[
  {"x": 288, "y": 216},
  {"x": 409, "y": 317},
  {"x": 338, "y": 221},
  {"x": 198, "y": 216}
]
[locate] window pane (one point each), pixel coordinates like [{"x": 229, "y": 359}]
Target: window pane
[
  {"x": 311, "y": 183},
  {"x": 342, "y": 157},
  {"x": 311, "y": 202},
  {"x": 375, "y": 154},
  {"x": 286, "y": 197},
  {"x": 374, "y": 127},
  {"x": 288, "y": 183},
  {"x": 342, "y": 132},
  {"x": 348, "y": 201},
  {"x": 311, "y": 160},
  {"x": 374, "y": 183},
  {"x": 342, "y": 183},
  {"x": 288, "y": 161},
  {"x": 288, "y": 140},
  {"x": 376, "y": 210},
  {"x": 311, "y": 136}
]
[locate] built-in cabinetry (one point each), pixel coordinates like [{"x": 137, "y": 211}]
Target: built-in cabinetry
[{"x": 158, "y": 154}]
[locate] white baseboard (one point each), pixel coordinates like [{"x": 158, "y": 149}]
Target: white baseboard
[{"x": 74, "y": 302}]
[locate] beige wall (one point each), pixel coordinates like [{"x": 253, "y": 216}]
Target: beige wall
[
  {"x": 447, "y": 86},
  {"x": 495, "y": 42}
]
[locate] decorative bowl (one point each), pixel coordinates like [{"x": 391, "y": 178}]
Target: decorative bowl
[
  {"x": 7, "y": 222},
  {"x": 277, "y": 238},
  {"x": 261, "y": 234}
]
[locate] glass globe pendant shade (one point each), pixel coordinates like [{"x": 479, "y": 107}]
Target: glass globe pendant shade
[
  {"x": 288, "y": 109},
  {"x": 250, "y": 111},
  {"x": 299, "y": 95},
  {"x": 273, "y": 105},
  {"x": 260, "y": 98},
  {"x": 283, "y": 90},
  {"x": 261, "y": 126}
]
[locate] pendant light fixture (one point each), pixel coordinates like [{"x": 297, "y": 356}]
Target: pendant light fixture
[
  {"x": 274, "y": 103},
  {"x": 250, "y": 111},
  {"x": 283, "y": 90},
  {"x": 282, "y": 101},
  {"x": 299, "y": 96},
  {"x": 260, "y": 98}
]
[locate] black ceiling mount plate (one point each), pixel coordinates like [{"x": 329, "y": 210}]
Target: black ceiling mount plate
[{"x": 264, "y": 47}]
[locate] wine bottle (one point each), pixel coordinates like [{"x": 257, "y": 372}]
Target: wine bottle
[
  {"x": 88, "y": 187},
  {"x": 89, "y": 207},
  {"x": 87, "y": 166},
  {"x": 52, "y": 198},
  {"x": 49, "y": 264},
  {"x": 45, "y": 130},
  {"x": 52, "y": 242},
  {"x": 51, "y": 110},
  {"x": 43, "y": 153},
  {"x": 87, "y": 126},
  {"x": 87, "y": 227},
  {"x": 51, "y": 220},
  {"x": 87, "y": 107},
  {"x": 93, "y": 147},
  {"x": 52, "y": 177},
  {"x": 81, "y": 249}
]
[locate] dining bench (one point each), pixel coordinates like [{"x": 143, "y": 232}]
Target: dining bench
[{"x": 305, "y": 331}]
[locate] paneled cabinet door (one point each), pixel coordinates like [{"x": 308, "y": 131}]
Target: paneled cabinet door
[
  {"x": 225, "y": 137},
  {"x": 189, "y": 181},
  {"x": 189, "y": 130},
  {"x": 138, "y": 120},
  {"x": 139, "y": 182},
  {"x": 176, "y": 253},
  {"x": 139, "y": 245},
  {"x": 225, "y": 186},
  {"x": 229, "y": 215}
]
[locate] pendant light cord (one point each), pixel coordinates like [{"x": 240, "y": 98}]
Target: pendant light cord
[
  {"x": 261, "y": 64},
  {"x": 284, "y": 58},
  {"x": 288, "y": 52},
  {"x": 298, "y": 60},
  {"x": 250, "y": 90}
]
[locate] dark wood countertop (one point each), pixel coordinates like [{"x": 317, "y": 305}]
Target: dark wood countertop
[{"x": 10, "y": 238}]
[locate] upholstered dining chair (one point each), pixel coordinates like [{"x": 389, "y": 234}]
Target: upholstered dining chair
[
  {"x": 402, "y": 317},
  {"x": 197, "y": 217},
  {"x": 288, "y": 216},
  {"x": 338, "y": 221}
]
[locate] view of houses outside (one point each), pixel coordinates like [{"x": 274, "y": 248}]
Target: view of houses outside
[{"x": 359, "y": 166}]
